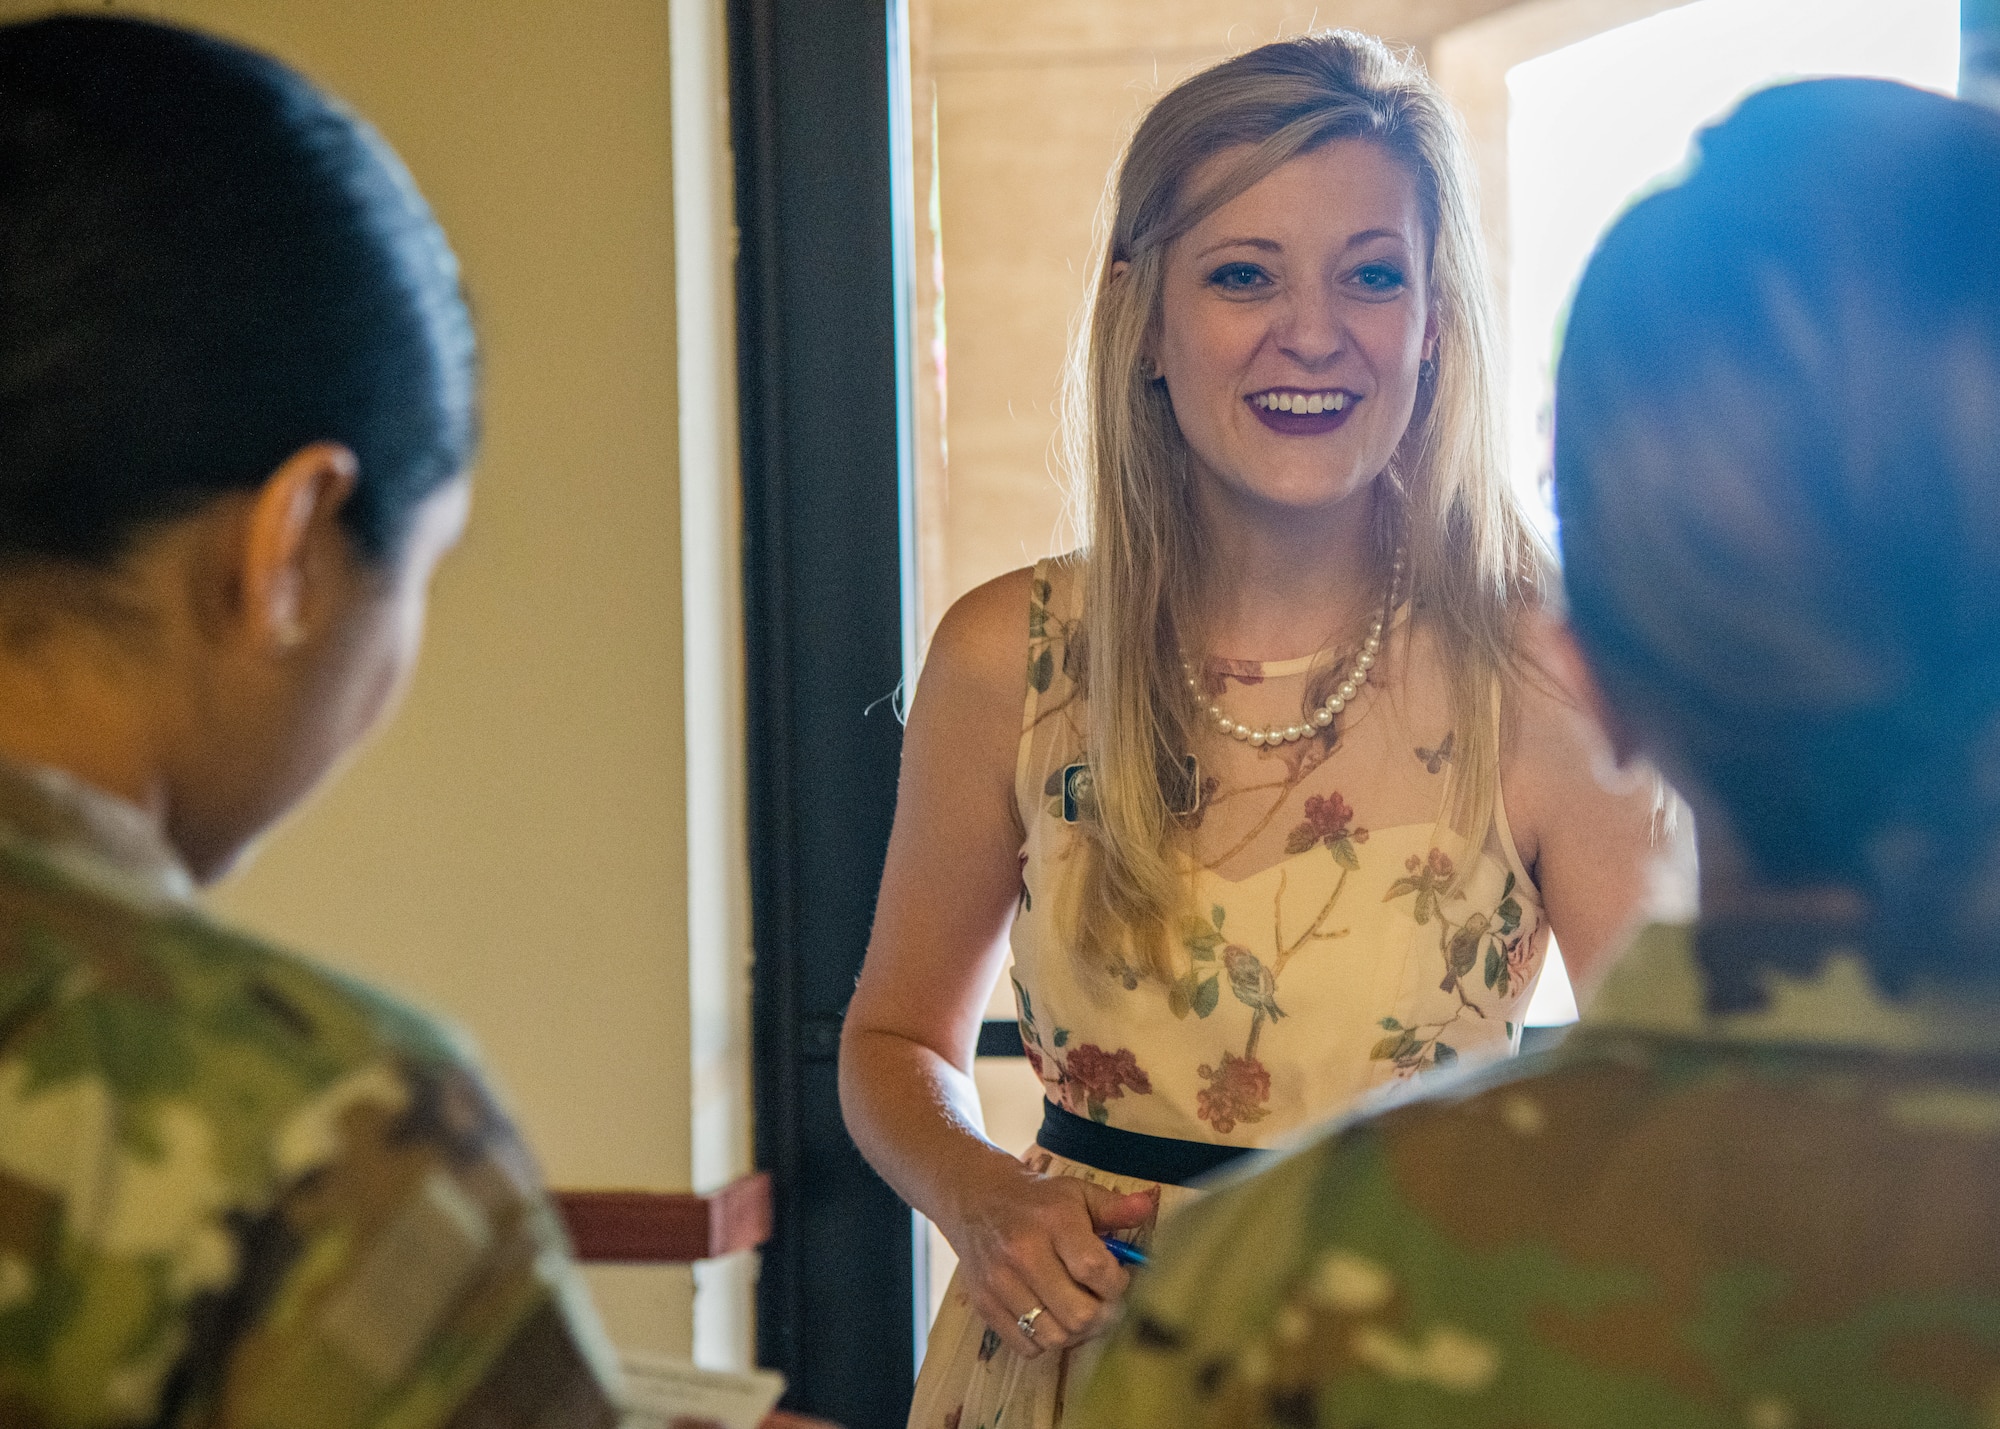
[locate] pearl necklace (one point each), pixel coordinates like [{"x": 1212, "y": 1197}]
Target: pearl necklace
[{"x": 1342, "y": 696}]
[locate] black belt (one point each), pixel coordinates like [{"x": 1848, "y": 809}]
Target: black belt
[{"x": 1130, "y": 1153}]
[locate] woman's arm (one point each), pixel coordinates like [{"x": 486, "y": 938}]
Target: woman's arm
[
  {"x": 948, "y": 895},
  {"x": 1600, "y": 839}
]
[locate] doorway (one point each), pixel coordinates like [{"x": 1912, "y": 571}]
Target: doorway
[{"x": 917, "y": 182}]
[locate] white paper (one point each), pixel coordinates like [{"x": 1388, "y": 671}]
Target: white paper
[{"x": 662, "y": 1393}]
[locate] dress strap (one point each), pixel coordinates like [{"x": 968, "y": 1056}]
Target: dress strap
[
  {"x": 1040, "y": 645},
  {"x": 1503, "y": 829}
]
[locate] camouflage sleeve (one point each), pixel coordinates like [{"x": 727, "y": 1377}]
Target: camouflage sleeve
[
  {"x": 1322, "y": 1291},
  {"x": 392, "y": 1263},
  {"x": 239, "y": 1190},
  {"x": 413, "y": 1274},
  {"x": 1189, "y": 1319}
]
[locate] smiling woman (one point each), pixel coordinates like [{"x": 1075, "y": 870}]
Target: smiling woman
[
  {"x": 1293, "y": 792},
  {"x": 1294, "y": 306}
]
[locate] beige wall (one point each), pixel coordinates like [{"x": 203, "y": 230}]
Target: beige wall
[{"x": 512, "y": 852}]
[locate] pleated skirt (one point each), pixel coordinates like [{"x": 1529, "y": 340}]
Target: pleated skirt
[{"x": 971, "y": 1380}]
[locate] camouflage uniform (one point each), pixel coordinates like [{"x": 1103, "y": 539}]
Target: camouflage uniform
[
  {"x": 1781, "y": 1217},
  {"x": 239, "y": 1190}
]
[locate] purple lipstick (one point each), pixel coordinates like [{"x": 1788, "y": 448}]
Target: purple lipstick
[{"x": 1296, "y": 412}]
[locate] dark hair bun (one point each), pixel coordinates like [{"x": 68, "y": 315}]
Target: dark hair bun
[{"x": 206, "y": 264}]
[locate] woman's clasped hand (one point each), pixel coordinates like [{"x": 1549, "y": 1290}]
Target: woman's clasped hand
[{"x": 1031, "y": 1247}]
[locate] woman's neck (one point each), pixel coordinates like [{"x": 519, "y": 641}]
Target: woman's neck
[{"x": 1281, "y": 583}]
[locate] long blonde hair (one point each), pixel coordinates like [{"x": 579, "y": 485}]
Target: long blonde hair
[{"x": 1474, "y": 560}]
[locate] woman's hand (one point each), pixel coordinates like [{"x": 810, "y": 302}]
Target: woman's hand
[
  {"x": 949, "y": 891},
  {"x": 1026, "y": 1241}
]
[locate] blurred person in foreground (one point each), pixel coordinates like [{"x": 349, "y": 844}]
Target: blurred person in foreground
[
  {"x": 1760, "y": 1184},
  {"x": 236, "y": 410}
]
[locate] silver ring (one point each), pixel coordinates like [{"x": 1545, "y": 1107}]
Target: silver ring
[{"x": 1026, "y": 1323}]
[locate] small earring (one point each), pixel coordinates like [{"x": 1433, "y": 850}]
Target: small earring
[{"x": 1427, "y": 369}]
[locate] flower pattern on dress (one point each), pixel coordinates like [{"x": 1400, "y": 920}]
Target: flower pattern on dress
[
  {"x": 1267, "y": 950},
  {"x": 1237, "y": 1091},
  {"x": 1328, "y": 822},
  {"x": 1498, "y": 935},
  {"x": 1509, "y": 957},
  {"x": 1430, "y": 878},
  {"x": 1199, "y": 988},
  {"x": 1218, "y": 675},
  {"x": 1087, "y": 1078},
  {"x": 1291, "y": 984},
  {"x": 1092, "y": 1077}
]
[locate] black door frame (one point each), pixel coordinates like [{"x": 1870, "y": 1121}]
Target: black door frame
[{"x": 822, "y": 513}]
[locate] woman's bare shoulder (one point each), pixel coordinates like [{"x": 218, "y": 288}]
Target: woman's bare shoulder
[
  {"x": 1545, "y": 681},
  {"x": 983, "y": 639},
  {"x": 975, "y": 674},
  {"x": 965, "y": 723},
  {"x": 985, "y": 630},
  {"x": 1549, "y": 730},
  {"x": 1557, "y": 763}
]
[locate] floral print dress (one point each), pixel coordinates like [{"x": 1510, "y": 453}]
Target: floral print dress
[{"x": 1341, "y": 940}]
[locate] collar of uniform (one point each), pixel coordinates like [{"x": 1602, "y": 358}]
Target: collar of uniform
[
  {"x": 87, "y": 833},
  {"x": 1661, "y": 987}
]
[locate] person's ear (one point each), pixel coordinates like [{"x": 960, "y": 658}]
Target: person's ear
[
  {"x": 287, "y": 527},
  {"x": 1149, "y": 361},
  {"x": 1571, "y": 669}
]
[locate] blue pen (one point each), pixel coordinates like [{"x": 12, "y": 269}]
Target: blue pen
[{"x": 1122, "y": 1253}]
